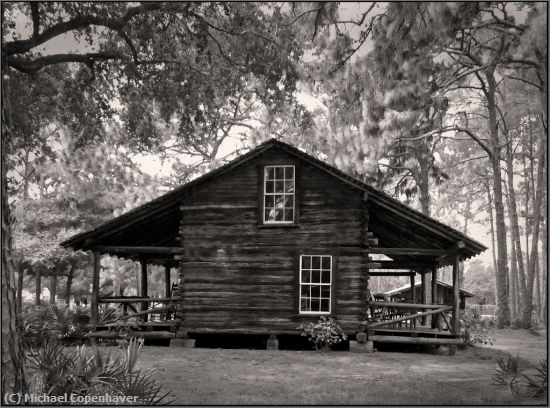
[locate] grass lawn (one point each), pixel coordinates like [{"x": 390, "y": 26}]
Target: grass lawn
[{"x": 222, "y": 376}]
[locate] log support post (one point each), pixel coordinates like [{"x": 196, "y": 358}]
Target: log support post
[
  {"x": 143, "y": 286},
  {"x": 424, "y": 296},
  {"x": 364, "y": 280},
  {"x": 413, "y": 288},
  {"x": 167, "y": 282},
  {"x": 456, "y": 297},
  {"x": 94, "y": 313},
  {"x": 435, "y": 319}
]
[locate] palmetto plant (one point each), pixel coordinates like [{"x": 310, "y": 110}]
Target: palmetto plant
[
  {"x": 509, "y": 375},
  {"x": 57, "y": 370}
]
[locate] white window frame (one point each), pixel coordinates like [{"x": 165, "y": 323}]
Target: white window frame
[
  {"x": 293, "y": 194},
  {"x": 309, "y": 312}
]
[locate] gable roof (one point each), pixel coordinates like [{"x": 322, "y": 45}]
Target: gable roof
[
  {"x": 407, "y": 287},
  {"x": 164, "y": 211}
]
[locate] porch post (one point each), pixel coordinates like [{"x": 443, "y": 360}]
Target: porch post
[
  {"x": 424, "y": 296},
  {"x": 413, "y": 288},
  {"x": 456, "y": 296},
  {"x": 143, "y": 286},
  {"x": 94, "y": 313},
  {"x": 167, "y": 282},
  {"x": 435, "y": 318}
]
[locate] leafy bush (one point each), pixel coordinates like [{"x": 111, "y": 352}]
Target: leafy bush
[
  {"x": 56, "y": 370},
  {"x": 324, "y": 333},
  {"x": 509, "y": 375},
  {"x": 37, "y": 324},
  {"x": 40, "y": 323},
  {"x": 474, "y": 330}
]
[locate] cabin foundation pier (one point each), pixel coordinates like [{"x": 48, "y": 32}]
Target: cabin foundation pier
[{"x": 272, "y": 342}]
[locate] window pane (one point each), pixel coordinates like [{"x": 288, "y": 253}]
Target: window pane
[
  {"x": 316, "y": 262},
  {"x": 289, "y": 201},
  {"x": 269, "y": 173},
  {"x": 325, "y": 276},
  {"x": 306, "y": 262},
  {"x": 278, "y": 214},
  {"x": 269, "y": 215},
  {"x": 326, "y": 262},
  {"x": 280, "y": 201},
  {"x": 325, "y": 291},
  {"x": 315, "y": 291},
  {"x": 289, "y": 187},
  {"x": 306, "y": 279},
  {"x": 289, "y": 215},
  {"x": 279, "y": 186},
  {"x": 315, "y": 276},
  {"x": 269, "y": 201},
  {"x": 303, "y": 305},
  {"x": 289, "y": 172},
  {"x": 279, "y": 173},
  {"x": 325, "y": 305},
  {"x": 269, "y": 186},
  {"x": 315, "y": 305},
  {"x": 305, "y": 288}
]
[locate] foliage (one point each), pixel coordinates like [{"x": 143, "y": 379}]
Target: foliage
[
  {"x": 325, "y": 333},
  {"x": 82, "y": 371},
  {"x": 510, "y": 375},
  {"x": 39, "y": 324},
  {"x": 474, "y": 330}
]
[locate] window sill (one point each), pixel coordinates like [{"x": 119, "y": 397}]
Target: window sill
[
  {"x": 314, "y": 315},
  {"x": 278, "y": 225}
]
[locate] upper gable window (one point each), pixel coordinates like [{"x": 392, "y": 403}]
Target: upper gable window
[{"x": 279, "y": 194}]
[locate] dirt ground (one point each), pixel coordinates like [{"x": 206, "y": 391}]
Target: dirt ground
[{"x": 223, "y": 376}]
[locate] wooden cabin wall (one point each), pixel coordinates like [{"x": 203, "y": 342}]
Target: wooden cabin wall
[{"x": 240, "y": 276}]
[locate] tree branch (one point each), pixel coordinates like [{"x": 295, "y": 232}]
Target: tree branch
[
  {"x": 35, "y": 19},
  {"x": 80, "y": 22},
  {"x": 33, "y": 66}
]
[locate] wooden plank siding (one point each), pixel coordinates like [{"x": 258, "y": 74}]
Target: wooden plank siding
[{"x": 239, "y": 275}]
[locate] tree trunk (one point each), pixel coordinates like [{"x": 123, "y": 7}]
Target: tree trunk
[
  {"x": 516, "y": 242},
  {"x": 69, "y": 286},
  {"x": 53, "y": 289},
  {"x": 13, "y": 373},
  {"x": 544, "y": 268},
  {"x": 20, "y": 277},
  {"x": 38, "y": 288},
  {"x": 493, "y": 245},
  {"x": 503, "y": 311},
  {"x": 528, "y": 307}
]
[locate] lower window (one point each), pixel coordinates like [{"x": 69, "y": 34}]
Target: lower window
[{"x": 315, "y": 284}]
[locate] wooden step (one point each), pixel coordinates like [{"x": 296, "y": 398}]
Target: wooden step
[{"x": 415, "y": 340}]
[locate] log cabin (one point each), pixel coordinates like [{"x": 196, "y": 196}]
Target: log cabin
[{"x": 274, "y": 239}]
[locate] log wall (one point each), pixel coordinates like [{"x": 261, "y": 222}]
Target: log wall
[{"x": 241, "y": 276}]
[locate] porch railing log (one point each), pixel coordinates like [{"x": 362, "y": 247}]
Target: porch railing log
[
  {"x": 410, "y": 317},
  {"x": 136, "y": 299}
]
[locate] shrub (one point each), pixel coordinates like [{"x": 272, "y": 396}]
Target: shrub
[
  {"x": 37, "y": 324},
  {"x": 41, "y": 323},
  {"x": 474, "y": 330},
  {"x": 56, "y": 370},
  {"x": 324, "y": 333},
  {"x": 509, "y": 375}
]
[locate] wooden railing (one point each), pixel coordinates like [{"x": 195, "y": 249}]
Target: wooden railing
[
  {"x": 402, "y": 315},
  {"x": 158, "y": 309}
]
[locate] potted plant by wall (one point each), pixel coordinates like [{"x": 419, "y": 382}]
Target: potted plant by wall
[{"x": 323, "y": 334}]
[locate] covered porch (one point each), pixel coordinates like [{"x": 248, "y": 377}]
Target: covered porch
[
  {"x": 141, "y": 315},
  {"x": 414, "y": 320}
]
